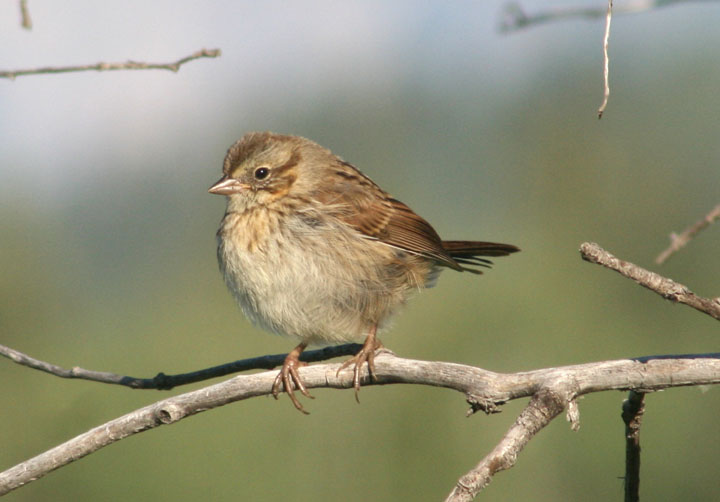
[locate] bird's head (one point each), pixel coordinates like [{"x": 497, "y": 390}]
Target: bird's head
[{"x": 263, "y": 167}]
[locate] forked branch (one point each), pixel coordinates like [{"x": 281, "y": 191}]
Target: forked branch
[{"x": 478, "y": 386}]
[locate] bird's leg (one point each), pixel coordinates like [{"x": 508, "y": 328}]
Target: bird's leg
[
  {"x": 366, "y": 354},
  {"x": 289, "y": 377}
]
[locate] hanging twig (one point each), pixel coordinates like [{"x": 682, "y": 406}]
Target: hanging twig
[
  {"x": 25, "y": 20},
  {"x": 606, "y": 61}
]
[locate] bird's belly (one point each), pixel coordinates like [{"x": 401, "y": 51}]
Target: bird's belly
[{"x": 303, "y": 287}]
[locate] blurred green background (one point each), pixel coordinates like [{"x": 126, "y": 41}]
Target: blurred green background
[{"x": 107, "y": 254}]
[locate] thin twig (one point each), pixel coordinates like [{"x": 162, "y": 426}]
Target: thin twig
[
  {"x": 606, "y": 61},
  {"x": 632, "y": 412},
  {"x": 128, "y": 65},
  {"x": 166, "y": 382},
  {"x": 514, "y": 17},
  {"x": 26, "y": 21},
  {"x": 677, "y": 242},
  {"x": 667, "y": 288}
]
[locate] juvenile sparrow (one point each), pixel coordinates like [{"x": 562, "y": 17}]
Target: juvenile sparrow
[{"x": 310, "y": 247}]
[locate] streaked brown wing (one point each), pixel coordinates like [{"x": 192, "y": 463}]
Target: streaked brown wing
[
  {"x": 359, "y": 202},
  {"x": 409, "y": 231}
]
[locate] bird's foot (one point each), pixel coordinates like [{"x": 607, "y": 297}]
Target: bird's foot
[
  {"x": 289, "y": 378},
  {"x": 366, "y": 354}
]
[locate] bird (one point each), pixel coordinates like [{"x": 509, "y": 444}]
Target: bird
[{"x": 311, "y": 248}]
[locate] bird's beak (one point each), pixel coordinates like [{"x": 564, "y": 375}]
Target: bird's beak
[{"x": 227, "y": 186}]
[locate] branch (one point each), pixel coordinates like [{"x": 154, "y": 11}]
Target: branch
[
  {"x": 632, "y": 412},
  {"x": 515, "y": 18},
  {"x": 543, "y": 407},
  {"x": 25, "y": 20},
  {"x": 553, "y": 388},
  {"x": 128, "y": 65},
  {"x": 677, "y": 242},
  {"x": 166, "y": 382},
  {"x": 667, "y": 288}
]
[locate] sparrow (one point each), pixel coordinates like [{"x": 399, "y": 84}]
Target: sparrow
[{"x": 312, "y": 248}]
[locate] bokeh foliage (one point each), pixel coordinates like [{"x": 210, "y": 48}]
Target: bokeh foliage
[{"x": 107, "y": 258}]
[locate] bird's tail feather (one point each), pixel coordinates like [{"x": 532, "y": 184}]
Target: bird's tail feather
[{"x": 469, "y": 252}]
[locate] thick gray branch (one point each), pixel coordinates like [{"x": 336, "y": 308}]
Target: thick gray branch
[{"x": 485, "y": 390}]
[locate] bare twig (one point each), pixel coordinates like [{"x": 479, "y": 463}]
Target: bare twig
[
  {"x": 632, "y": 412},
  {"x": 515, "y": 18},
  {"x": 166, "y": 382},
  {"x": 667, "y": 288},
  {"x": 26, "y": 21},
  {"x": 128, "y": 65},
  {"x": 606, "y": 61},
  {"x": 554, "y": 387},
  {"x": 677, "y": 242}
]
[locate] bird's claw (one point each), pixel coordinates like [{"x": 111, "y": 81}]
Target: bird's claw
[{"x": 289, "y": 379}]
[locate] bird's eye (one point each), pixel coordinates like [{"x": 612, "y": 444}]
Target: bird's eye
[{"x": 261, "y": 173}]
